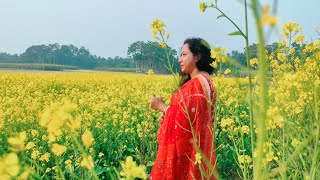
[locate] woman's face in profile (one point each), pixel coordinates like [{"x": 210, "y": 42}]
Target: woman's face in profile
[{"x": 187, "y": 60}]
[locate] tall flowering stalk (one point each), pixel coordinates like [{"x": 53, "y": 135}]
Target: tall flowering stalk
[
  {"x": 261, "y": 20},
  {"x": 245, "y": 35},
  {"x": 263, "y": 95},
  {"x": 161, "y": 36}
]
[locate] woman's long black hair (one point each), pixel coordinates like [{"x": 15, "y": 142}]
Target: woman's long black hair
[{"x": 198, "y": 47}]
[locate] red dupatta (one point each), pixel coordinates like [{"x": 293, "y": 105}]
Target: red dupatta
[{"x": 175, "y": 159}]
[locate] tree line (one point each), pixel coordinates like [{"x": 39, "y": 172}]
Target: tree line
[
  {"x": 54, "y": 54},
  {"x": 140, "y": 55}
]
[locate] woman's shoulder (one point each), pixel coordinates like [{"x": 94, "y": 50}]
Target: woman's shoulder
[
  {"x": 202, "y": 79},
  {"x": 205, "y": 82},
  {"x": 194, "y": 84},
  {"x": 198, "y": 81}
]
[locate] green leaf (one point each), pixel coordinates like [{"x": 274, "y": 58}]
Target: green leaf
[
  {"x": 150, "y": 163},
  {"x": 99, "y": 170},
  {"x": 222, "y": 15},
  {"x": 130, "y": 150},
  {"x": 236, "y": 33}
]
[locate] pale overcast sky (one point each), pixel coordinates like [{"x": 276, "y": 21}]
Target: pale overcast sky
[{"x": 107, "y": 28}]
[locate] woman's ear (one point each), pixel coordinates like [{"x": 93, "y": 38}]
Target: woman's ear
[{"x": 198, "y": 57}]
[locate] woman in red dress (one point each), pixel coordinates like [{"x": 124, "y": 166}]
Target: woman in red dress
[{"x": 185, "y": 137}]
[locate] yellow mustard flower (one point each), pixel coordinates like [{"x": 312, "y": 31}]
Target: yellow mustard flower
[
  {"x": 9, "y": 165},
  {"x": 157, "y": 26},
  {"x": 100, "y": 154},
  {"x": 253, "y": 62},
  {"x": 214, "y": 64},
  {"x": 25, "y": 174},
  {"x": 35, "y": 154},
  {"x": 290, "y": 29},
  {"x": 245, "y": 129},
  {"x": 131, "y": 170},
  {"x": 34, "y": 133},
  {"x": 30, "y": 145},
  {"x": 87, "y": 139},
  {"x": 218, "y": 53},
  {"x": 17, "y": 143},
  {"x": 68, "y": 163},
  {"x": 227, "y": 71},
  {"x": 269, "y": 156},
  {"x": 292, "y": 51},
  {"x": 282, "y": 57},
  {"x": 58, "y": 149},
  {"x": 266, "y": 18},
  {"x": 149, "y": 72},
  {"x": 163, "y": 45},
  {"x": 168, "y": 35},
  {"x": 87, "y": 162},
  {"x": 244, "y": 159},
  {"x": 299, "y": 39},
  {"x": 202, "y": 7},
  {"x": 45, "y": 157},
  {"x": 295, "y": 142},
  {"x": 198, "y": 158}
]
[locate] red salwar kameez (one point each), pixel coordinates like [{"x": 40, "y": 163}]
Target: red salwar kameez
[{"x": 176, "y": 159}]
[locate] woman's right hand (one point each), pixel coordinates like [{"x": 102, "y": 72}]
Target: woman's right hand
[{"x": 157, "y": 103}]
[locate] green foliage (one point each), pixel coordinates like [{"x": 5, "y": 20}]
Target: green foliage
[
  {"x": 150, "y": 55},
  {"x": 47, "y": 67},
  {"x": 115, "y": 63}
]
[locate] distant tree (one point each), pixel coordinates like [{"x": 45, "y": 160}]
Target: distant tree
[
  {"x": 151, "y": 55},
  {"x": 7, "y": 58},
  {"x": 116, "y": 62},
  {"x": 36, "y": 54},
  {"x": 135, "y": 51},
  {"x": 272, "y": 48},
  {"x": 253, "y": 51},
  {"x": 63, "y": 55},
  {"x": 239, "y": 57}
]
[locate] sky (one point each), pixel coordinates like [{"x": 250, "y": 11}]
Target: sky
[{"x": 108, "y": 27}]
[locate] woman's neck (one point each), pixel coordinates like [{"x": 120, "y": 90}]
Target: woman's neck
[{"x": 197, "y": 72}]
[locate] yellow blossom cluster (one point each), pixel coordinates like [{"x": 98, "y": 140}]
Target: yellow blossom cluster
[
  {"x": 268, "y": 152},
  {"x": 202, "y": 7},
  {"x": 17, "y": 143},
  {"x": 58, "y": 149},
  {"x": 198, "y": 158},
  {"x": 227, "y": 71},
  {"x": 87, "y": 162},
  {"x": 245, "y": 161},
  {"x": 295, "y": 142},
  {"x": 150, "y": 72},
  {"x": 55, "y": 117},
  {"x": 274, "y": 118},
  {"x": 219, "y": 54},
  {"x": 290, "y": 29},
  {"x": 131, "y": 170},
  {"x": 87, "y": 138},
  {"x": 266, "y": 18},
  {"x": 157, "y": 27},
  {"x": 159, "y": 33},
  {"x": 9, "y": 166},
  {"x": 253, "y": 62},
  {"x": 245, "y": 129},
  {"x": 227, "y": 123}
]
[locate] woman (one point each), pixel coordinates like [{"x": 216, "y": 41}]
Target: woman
[{"x": 185, "y": 137}]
